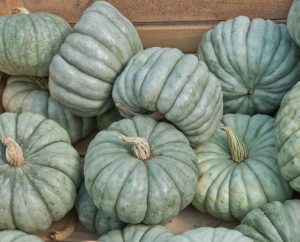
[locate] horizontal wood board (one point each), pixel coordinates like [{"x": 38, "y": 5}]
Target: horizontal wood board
[{"x": 165, "y": 23}]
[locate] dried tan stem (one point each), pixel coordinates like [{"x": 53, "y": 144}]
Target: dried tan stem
[
  {"x": 20, "y": 10},
  {"x": 14, "y": 153},
  {"x": 65, "y": 233}
]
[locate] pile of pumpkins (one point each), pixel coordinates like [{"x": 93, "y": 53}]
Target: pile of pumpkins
[{"x": 176, "y": 129}]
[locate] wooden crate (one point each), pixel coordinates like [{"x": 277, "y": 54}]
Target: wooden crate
[{"x": 162, "y": 23}]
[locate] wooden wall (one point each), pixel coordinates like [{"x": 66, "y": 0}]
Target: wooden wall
[{"x": 172, "y": 23}]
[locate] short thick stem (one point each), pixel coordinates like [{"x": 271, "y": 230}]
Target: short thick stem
[
  {"x": 20, "y": 10},
  {"x": 14, "y": 153},
  {"x": 237, "y": 146},
  {"x": 141, "y": 148},
  {"x": 62, "y": 235}
]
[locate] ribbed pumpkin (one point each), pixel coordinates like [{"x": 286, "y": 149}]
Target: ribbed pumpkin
[
  {"x": 206, "y": 234},
  {"x": 93, "y": 218},
  {"x": 17, "y": 236},
  {"x": 293, "y": 21},
  {"x": 31, "y": 94},
  {"x": 256, "y": 61},
  {"x": 29, "y": 41},
  {"x": 82, "y": 74},
  {"x": 177, "y": 86},
  {"x": 137, "y": 233},
  {"x": 238, "y": 168},
  {"x": 39, "y": 172},
  {"x": 287, "y": 137},
  {"x": 139, "y": 170},
  {"x": 273, "y": 222}
]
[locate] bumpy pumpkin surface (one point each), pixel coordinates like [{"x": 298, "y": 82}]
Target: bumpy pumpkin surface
[
  {"x": 287, "y": 137},
  {"x": 31, "y": 94},
  {"x": 82, "y": 74},
  {"x": 177, "y": 86},
  {"x": 140, "y": 170},
  {"x": 29, "y": 41},
  {"x": 17, "y": 236},
  {"x": 293, "y": 21},
  {"x": 39, "y": 172},
  {"x": 137, "y": 233},
  {"x": 209, "y": 235},
  {"x": 273, "y": 222},
  {"x": 256, "y": 61},
  {"x": 238, "y": 168},
  {"x": 93, "y": 218}
]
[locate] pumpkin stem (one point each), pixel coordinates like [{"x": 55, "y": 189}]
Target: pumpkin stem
[
  {"x": 155, "y": 115},
  {"x": 141, "y": 148},
  {"x": 237, "y": 146},
  {"x": 20, "y": 10},
  {"x": 14, "y": 153},
  {"x": 63, "y": 234},
  {"x": 40, "y": 82}
]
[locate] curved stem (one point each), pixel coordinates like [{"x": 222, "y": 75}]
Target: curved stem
[
  {"x": 236, "y": 145},
  {"x": 141, "y": 148},
  {"x": 14, "y": 153},
  {"x": 20, "y": 10},
  {"x": 62, "y": 235}
]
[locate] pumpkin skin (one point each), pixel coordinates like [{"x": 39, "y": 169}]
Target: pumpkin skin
[
  {"x": 178, "y": 86},
  {"x": 137, "y": 233},
  {"x": 42, "y": 188},
  {"x": 293, "y": 22},
  {"x": 93, "y": 218},
  {"x": 31, "y": 94},
  {"x": 125, "y": 187},
  {"x": 210, "y": 235},
  {"x": 229, "y": 189},
  {"x": 287, "y": 137},
  {"x": 18, "y": 236},
  {"x": 29, "y": 42},
  {"x": 256, "y": 61},
  {"x": 106, "y": 119},
  {"x": 82, "y": 74},
  {"x": 273, "y": 222}
]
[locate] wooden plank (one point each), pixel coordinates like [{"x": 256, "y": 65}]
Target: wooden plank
[
  {"x": 161, "y": 10},
  {"x": 184, "y": 37}
]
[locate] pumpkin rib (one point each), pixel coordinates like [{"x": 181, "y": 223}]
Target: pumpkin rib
[
  {"x": 36, "y": 47},
  {"x": 4, "y": 43}
]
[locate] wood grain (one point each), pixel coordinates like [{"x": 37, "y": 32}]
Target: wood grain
[{"x": 146, "y": 11}]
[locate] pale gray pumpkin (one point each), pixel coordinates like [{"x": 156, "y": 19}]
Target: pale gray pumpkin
[
  {"x": 137, "y": 233},
  {"x": 287, "y": 137},
  {"x": 39, "y": 172},
  {"x": 207, "y": 234},
  {"x": 106, "y": 119},
  {"x": 174, "y": 85},
  {"x": 93, "y": 218},
  {"x": 29, "y": 41},
  {"x": 17, "y": 236},
  {"x": 150, "y": 184},
  {"x": 256, "y": 61},
  {"x": 293, "y": 21},
  {"x": 238, "y": 168},
  {"x": 31, "y": 94},
  {"x": 82, "y": 74},
  {"x": 273, "y": 222}
]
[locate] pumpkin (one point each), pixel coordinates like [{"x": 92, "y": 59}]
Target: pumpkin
[
  {"x": 93, "y": 218},
  {"x": 210, "y": 235},
  {"x": 29, "y": 41},
  {"x": 142, "y": 233},
  {"x": 287, "y": 137},
  {"x": 106, "y": 119},
  {"x": 18, "y": 236},
  {"x": 238, "y": 168},
  {"x": 273, "y": 222},
  {"x": 256, "y": 61},
  {"x": 137, "y": 233},
  {"x": 293, "y": 22},
  {"x": 39, "y": 172},
  {"x": 174, "y": 85},
  {"x": 139, "y": 170},
  {"x": 31, "y": 94},
  {"x": 82, "y": 74}
]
